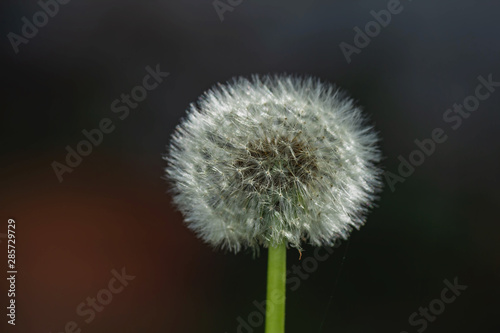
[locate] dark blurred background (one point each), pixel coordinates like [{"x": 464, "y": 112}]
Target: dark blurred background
[{"x": 112, "y": 210}]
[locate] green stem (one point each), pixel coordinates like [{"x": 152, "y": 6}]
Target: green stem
[{"x": 276, "y": 282}]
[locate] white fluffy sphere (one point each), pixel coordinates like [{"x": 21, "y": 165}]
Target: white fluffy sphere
[{"x": 272, "y": 159}]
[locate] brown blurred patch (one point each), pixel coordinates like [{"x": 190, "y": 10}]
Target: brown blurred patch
[{"x": 106, "y": 215}]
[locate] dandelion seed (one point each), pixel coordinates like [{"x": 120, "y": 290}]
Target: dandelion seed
[{"x": 274, "y": 159}]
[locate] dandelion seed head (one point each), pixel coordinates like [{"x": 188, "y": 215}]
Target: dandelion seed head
[{"x": 274, "y": 158}]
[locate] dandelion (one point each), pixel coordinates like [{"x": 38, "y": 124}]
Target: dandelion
[{"x": 271, "y": 162}]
